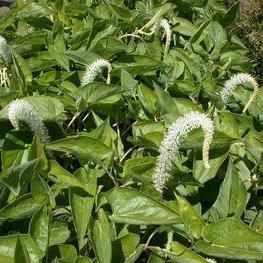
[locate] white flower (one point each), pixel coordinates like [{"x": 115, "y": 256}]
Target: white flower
[
  {"x": 164, "y": 24},
  {"x": 94, "y": 69},
  {"x": 4, "y": 50},
  {"x": 210, "y": 260},
  {"x": 4, "y": 79},
  {"x": 173, "y": 140},
  {"x": 233, "y": 82},
  {"x": 167, "y": 32},
  {"x": 20, "y": 110}
]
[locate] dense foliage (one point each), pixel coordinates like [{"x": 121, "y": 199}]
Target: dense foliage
[{"x": 81, "y": 190}]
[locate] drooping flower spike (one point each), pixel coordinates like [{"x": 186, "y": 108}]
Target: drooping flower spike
[
  {"x": 164, "y": 24},
  {"x": 4, "y": 79},
  {"x": 154, "y": 25},
  {"x": 210, "y": 260},
  {"x": 172, "y": 141},
  {"x": 168, "y": 34},
  {"x": 22, "y": 111},
  {"x": 94, "y": 69},
  {"x": 4, "y": 50},
  {"x": 233, "y": 82}
]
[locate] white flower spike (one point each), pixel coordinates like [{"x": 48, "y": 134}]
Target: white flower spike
[
  {"x": 94, "y": 69},
  {"x": 22, "y": 111},
  {"x": 4, "y": 79},
  {"x": 164, "y": 24},
  {"x": 4, "y": 50},
  {"x": 172, "y": 141},
  {"x": 233, "y": 82},
  {"x": 167, "y": 32},
  {"x": 210, "y": 260}
]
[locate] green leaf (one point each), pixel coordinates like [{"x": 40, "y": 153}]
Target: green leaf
[
  {"x": 139, "y": 168},
  {"x": 42, "y": 61},
  {"x": 83, "y": 147},
  {"x": 232, "y": 197},
  {"x": 127, "y": 81},
  {"x": 190, "y": 63},
  {"x": 8, "y": 248},
  {"x": 101, "y": 35},
  {"x": 216, "y": 39},
  {"x": 186, "y": 87},
  {"x": 133, "y": 207},
  {"x": 23, "y": 207},
  {"x": 203, "y": 174},
  {"x": 39, "y": 229},
  {"x": 197, "y": 35},
  {"x": 174, "y": 107},
  {"x": 67, "y": 253},
  {"x": 21, "y": 253},
  {"x": 193, "y": 222},
  {"x": 129, "y": 243},
  {"x": 107, "y": 135},
  {"x": 230, "y": 238},
  {"x": 154, "y": 258},
  {"x": 49, "y": 108},
  {"x": 57, "y": 51},
  {"x": 23, "y": 72},
  {"x": 138, "y": 65},
  {"x": 58, "y": 174},
  {"x": 148, "y": 99},
  {"x": 120, "y": 11},
  {"x": 33, "y": 10},
  {"x": 82, "y": 203},
  {"x": 83, "y": 260},
  {"x": 102, "y": 238},
  {"x": 58, "y": 233},
  {"x": 184, "y": 26},
  {"x": 16, "y": 178},
  {"x": 185, "y": 255},
  {"x": 135, "y": 255},
  {"x": 178, "y": 254},
  {"x": 100, "y": 93}
]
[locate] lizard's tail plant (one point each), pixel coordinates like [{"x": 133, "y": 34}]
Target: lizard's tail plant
[
  {"x": 233, "y": 82},
  {"x": 94, "y": 69},
  {"x": 22, "y": 111},
  {"x": 172, "y": 141}
]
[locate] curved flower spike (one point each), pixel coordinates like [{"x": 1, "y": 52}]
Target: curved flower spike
[
  {"x": 163, "y": 23},
  {"x": 4, "y": 50},
  {"x": 167, "y": 32},
  {"x": 21, "y": 111},
  {"x": 4, "y": 79},
  {"x": 94, "y": 69},
  {"x": 233, "y": 82},
  {"x": 172, "y": 141}
]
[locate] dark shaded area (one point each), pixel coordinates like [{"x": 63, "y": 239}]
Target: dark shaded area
[
  {"x": 5, "y": 2},
  {"x": 250, "y": 28}
]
